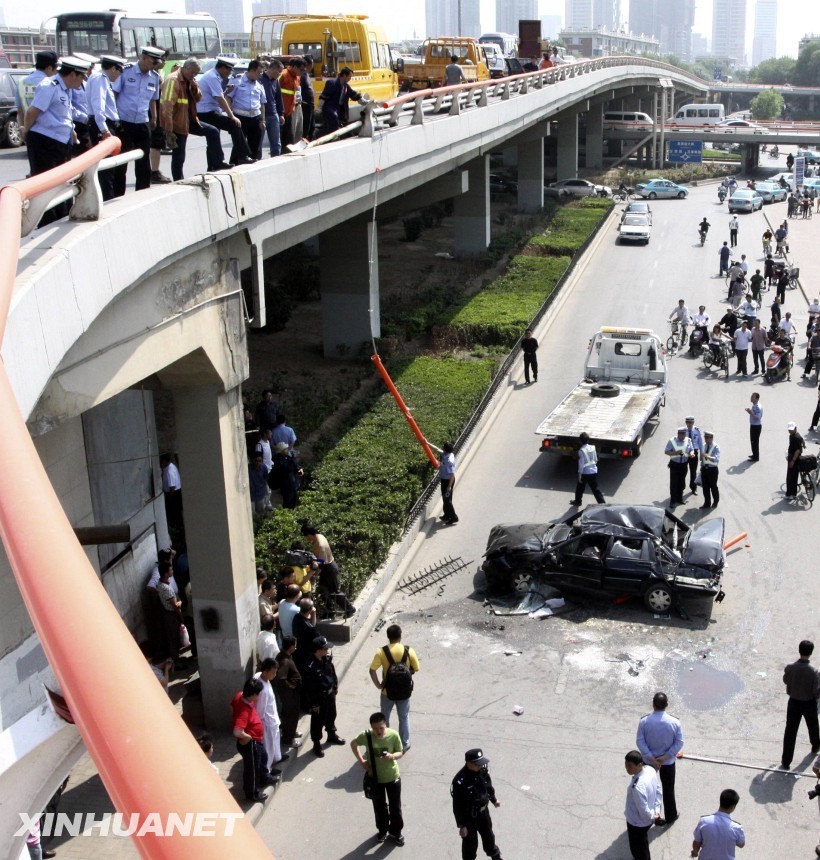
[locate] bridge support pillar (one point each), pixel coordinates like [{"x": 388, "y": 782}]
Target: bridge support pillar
[
  {"x": 531, "y": 175},
  {"x": 219, "y": 537},
  {"x": 595, "y": 136},
  {"x": 350, "y": 286},
  {"x": 472, "y": 212},
  {"x": 567, "y": 162}
]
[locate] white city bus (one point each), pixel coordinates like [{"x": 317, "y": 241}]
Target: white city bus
[{"x": 121, "y": 34}]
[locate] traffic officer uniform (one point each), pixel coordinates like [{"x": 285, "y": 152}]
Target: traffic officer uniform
[
  {"x": 50, "y": 136},
  {"x": 28, "y": 85},
  {"x": 587, "y": 471},
  {"x": 679, "y": 449},
  {"x": 136, "y": 90},
  {"x": 472, "y": 792},
  {"x": 694, "y": 434},
  {"x": 104, "y": 119},
  {"x": 321, "y": 685},
  {"x": 247, "y": 99},
  {"x": 710, "y": 455},
  {"x": 209, "y": 111}
]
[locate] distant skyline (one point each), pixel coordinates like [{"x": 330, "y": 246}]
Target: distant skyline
[{"x": 405, "y": 19}]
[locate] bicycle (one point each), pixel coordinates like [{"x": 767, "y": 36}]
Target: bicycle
[
  {"x": 624, "y": 196},
  {"x": 809, "y": 473},
  {"x": 722, "y": 362},
  {"x": 677, "y": 338},
  {"x": 767, "y": 248}
]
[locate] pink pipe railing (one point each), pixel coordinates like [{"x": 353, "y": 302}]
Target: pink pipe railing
[{"x": 147, "y": 757}]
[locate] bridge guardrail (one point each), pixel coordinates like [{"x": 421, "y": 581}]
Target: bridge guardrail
[{"x": 102, "y": 674}]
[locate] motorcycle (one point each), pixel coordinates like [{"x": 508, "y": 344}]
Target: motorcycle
[
  {"x": 721, "y": 193},
  {"x": 778, "y": 364},
  {"x": 774, "y": 152},
  {"x": 698, "y": 341},
  {"x": 702, "y": 234}
]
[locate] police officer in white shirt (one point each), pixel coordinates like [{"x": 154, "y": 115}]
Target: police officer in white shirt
[
  {"x": 680, "y": 450},
  {"x": 214, "y": 109},
  {"x": 709, "y": 470},
  {"x": 718, "y": 834},
  {"x": 587, "y": 471},
  {"x": 694, "y": 434}
]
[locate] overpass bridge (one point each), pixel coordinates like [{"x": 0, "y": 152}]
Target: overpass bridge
[
  {"x": 149, "y": 296},
  {"x": 729, "y": 92}
]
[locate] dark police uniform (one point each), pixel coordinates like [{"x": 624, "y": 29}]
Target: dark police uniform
[
  {"x": 472, "y": 792},
  {"x": 321, "y": 684}
]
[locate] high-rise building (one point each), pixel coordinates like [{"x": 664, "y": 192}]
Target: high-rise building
[
  {"x": 764, "y": 44},
  {"x": 729, "y": 30},
  {"x": 670, "y": 23},
  {"x": 442, "y": 17},
  {"x": 233, "y": 16},
  {"x": 588, "y": 14},
  {"x": 280, "y": 7},
  {"x": 509, "y": 12}
]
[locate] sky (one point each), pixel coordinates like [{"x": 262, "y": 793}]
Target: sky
[{"x": 403, "y": 18}]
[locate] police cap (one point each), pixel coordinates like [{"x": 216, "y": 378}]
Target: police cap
[
  {"x": 320, "y": 643},
  {"x": 230, "y": 62},
  {"x": 75, "y": 64},
  {"x": 152, "y": 52},
  {"x": 111, "y": 60},
  {"x": 88, "y": 58},
  {"x": 476, "y": 756}
]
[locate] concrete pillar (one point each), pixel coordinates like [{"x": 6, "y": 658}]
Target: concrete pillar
[
  {"x": 531, "y": 175},
  {"x": 567, "y": 162},
  {"x": 219, "y": 536},
  {"x": 595, "y": 136},
  {"x": 472, "y": 211},
  {"x": 349, "y": 275}
]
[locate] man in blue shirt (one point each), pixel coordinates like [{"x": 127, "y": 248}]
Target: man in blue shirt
[
  {"x": 660, "y": 739},
  {"x": 643, "y": 803},
  {"x": 45, "y": 66},
  {"x": 214, "y": 109},
  {"x": 695, "y": 435},
  {"x": 137, "y": 90},
  {"x": 248, "y": 100},
  {"x": 717, "y": 835},
  {"x": 104, "y": 119},
  {"x": 447, "y": 479},
  {"x": 274, "y": 107},
  {"x": 335, "y": 99},
  {"x": 49, "y": 129}
]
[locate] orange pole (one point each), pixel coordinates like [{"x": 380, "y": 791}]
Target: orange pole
[
  {"x": 405, "y": 411},
  {"x": 735, "y": 540},
  {"x": 118, "y": 706}
]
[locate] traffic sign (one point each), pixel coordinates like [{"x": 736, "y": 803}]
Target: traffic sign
[{"x": 686, "y": 151}]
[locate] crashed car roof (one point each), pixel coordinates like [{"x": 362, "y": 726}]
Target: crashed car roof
[{"x": 647, "y": 518}]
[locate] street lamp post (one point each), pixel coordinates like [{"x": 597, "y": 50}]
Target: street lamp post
[{"x": 459, "y": 17}]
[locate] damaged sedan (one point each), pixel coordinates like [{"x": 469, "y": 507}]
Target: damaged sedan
[{"x": 616, "y": 549}]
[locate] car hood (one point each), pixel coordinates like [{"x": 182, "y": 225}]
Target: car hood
[{"x": 704, "y": 546}]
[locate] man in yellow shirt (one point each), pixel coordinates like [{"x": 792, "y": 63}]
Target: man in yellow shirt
[{"x": 398, "y": 664}]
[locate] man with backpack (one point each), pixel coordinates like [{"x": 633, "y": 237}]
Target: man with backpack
[{"x": 398, "y": 664}]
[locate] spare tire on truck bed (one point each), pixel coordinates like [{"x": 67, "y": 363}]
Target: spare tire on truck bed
[{"x": 605, "y": 389}]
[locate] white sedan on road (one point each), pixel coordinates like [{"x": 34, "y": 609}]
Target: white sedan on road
[
  {"x": 745, "y": 200},
  {"x": 578, "y": 188},
  {"x": 635, "y": 227}
]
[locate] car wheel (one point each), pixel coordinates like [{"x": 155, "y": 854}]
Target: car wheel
[
  {"x": 521, "y": 581},
  {"x": 681, "y": 195},
  {"x": 658, "y": 598},
  {"x": 652, "y": 195},
  {"x": 605, "y": 389},
  {"x": 11, "y": 132}
]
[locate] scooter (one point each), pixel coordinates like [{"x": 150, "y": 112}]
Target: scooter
[
  {"x": 697, "y": 342},
  {"x": 721, "y": 193},
  {"x": 702, "y": 234},
  {"x": 778, "y": 364},
  {"x": 774, "y": 152}
]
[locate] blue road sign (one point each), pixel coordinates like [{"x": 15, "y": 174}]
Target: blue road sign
[
  {"x": 718, "y": 73},
  {"x": 686, "y": 151}
]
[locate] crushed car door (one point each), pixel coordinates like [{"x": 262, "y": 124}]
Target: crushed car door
[{"x": 629, "y": 563}]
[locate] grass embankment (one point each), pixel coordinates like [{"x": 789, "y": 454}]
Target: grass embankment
[{"x": 363, "y": 488}]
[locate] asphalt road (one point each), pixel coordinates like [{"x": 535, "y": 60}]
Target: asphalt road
[{"x": 558, "y": 767}]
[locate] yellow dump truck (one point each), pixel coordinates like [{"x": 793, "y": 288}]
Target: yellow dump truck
[
  {"x": 436, "y": 55},
  {"x": 334, "y": 41}
]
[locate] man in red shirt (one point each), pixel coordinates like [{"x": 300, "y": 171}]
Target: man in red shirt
[{"x": 248, "y": 731}]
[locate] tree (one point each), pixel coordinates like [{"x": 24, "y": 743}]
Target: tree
[
  {"x": 773, "y": 72},
  {"x": 767, "y": 105},
  {"x": 807, "y": 67}
]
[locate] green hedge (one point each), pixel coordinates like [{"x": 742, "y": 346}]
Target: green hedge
[
  {"x": 364, "y": 487},
  {"x": 501, "y": 311},
  {"x": 571, "y": 227}
]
